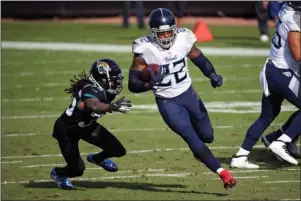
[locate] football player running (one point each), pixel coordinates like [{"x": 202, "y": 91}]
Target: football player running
[
  {"x": 179, "y": 104},
  {"x": 92, "y": 98},
  {"x": 280, "y": 79}
]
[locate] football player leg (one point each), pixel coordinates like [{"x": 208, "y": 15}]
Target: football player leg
[
  {"x": 110, "y": 145},
  {"x": 178, "y": 120},
  {"x": 289, "y": 88},
  {"x": 291, "y": 147},
  {"x": 69, "y": 149},
  {"x": 75, "y": 166},
  {"x": 200, "y": 119},
  {"x": 270, "y": 109}
]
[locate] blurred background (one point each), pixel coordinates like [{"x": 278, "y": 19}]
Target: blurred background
[
  {"x": 68, "y": 9},
  {"x": 130, "y": 12}
]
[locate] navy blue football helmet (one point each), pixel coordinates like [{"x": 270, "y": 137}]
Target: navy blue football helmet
[
  {"x": 296, "y": 5},
  {"x": 163, "y": 20},
  {"x": 106, "y": 75}
]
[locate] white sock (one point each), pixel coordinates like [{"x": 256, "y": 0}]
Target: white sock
[
  {"x": 285, "y": 138},
  {"x": 281, "y": 129},
  {"x": 242, "y": 152},
  {"x": 219, "y": 170}
]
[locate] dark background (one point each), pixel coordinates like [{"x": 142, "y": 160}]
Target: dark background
[{"x": 69, "y": 9}]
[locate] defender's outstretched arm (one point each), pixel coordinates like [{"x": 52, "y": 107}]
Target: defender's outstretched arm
[{"x": 94, "y": 105}]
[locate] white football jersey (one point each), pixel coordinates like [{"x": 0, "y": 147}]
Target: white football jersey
[
  {"x": 280, "y": 53},
  {"x": 174, "y": 60}
]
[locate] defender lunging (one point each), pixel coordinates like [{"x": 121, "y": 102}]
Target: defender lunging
[{"x": 92, "y": 98}]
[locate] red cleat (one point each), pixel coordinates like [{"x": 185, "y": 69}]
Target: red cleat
[{"x": 227, "y": 178}]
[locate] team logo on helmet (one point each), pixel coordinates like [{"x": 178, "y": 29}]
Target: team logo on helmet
[{"x": 103, "y": 67}]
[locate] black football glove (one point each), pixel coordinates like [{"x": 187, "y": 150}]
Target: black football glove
[
  {"x": 120, "y": 105},
  {"x": 216, "y": 80},
  {"x": 155, "y": 79}
]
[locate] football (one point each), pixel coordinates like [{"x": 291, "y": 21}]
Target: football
[{"x": 145, "y": 76}]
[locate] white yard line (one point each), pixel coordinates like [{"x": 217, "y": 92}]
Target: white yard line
[
  {"x": 231, "y": 107},
  {"x": 19, "y": 134},
  {"x": 129, "y": 152},
  {"x": 112, "y": 130},
  {"x": 128, "y": 130},
  {"x": 66, "y": 84},
  {"x": 144, "y": 111},
  {"x": 246, "y": 177},
  {"x": 10, "y": 162},
  {"x": 71, "y": 73},
  {"x": 260, "y": 170},
  {"x": 281, "y": 182},
  {"x": 52, "y": 98},
  {"x": 102, "y": 178},
  {"x": 132, "y": 129},
  {"x": 162, "y": 170},
  {"x": 58, "y": 46}
]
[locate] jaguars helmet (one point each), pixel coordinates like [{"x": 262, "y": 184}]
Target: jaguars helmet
[
  {"x": 106, "y": 75},
  {"x": 162, "y": 20},
  {"x": 296, "y": 5}
]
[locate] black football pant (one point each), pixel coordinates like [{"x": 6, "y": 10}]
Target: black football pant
[{"x": 95, "y": 134}]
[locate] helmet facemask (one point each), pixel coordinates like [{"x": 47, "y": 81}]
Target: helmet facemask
[{"x": 165, "y": 43}]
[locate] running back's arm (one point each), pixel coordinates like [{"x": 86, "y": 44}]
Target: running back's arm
[
  {"x": 135, "y": 84},
  {"x": 199, "y": 59},
  {"x": 294, "y": 44}
]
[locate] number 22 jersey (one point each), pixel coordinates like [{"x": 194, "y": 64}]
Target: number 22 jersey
[{"x": 173, "y": 60}]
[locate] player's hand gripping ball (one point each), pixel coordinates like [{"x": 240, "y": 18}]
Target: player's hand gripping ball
[{"x": 145, "y": 75}]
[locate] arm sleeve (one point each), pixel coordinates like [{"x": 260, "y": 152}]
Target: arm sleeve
[
  {"x": 135, "y": 84},
  {"x": 204, "y": 65}
]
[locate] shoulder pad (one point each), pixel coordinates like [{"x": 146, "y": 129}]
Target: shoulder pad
[
  {"x": 297, "y": 21},
  {"x": 187, "y": 34},
  {"x": 92, "y": 92},
  {"x": 291, "y": 19},
  {"x": 139, "y": 44}
]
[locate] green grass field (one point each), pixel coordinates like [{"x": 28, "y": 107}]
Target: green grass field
[{"x": 158, "y": 165}]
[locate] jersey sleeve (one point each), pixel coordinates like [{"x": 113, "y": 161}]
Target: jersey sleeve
[
  {"x": 189, "y": 38},
  {"x": 295, "y": 23},
  {"x": 92, "y": 92},
  {"x": 139, "y": 45}
]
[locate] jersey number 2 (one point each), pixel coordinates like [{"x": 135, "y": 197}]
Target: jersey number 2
[{"x": 178, "y": 79}]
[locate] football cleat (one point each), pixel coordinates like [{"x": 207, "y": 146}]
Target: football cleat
[
  {"x": 292, "y": 148},
  {"x": 61, "y": 182},
  {"x": 267, "y": 144},
  {"x": 242, "y": 162},
  {"x": 280, "y": 148},
  {"x": 106, "y": 164},
  {"x": 227, "y": 179}
]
